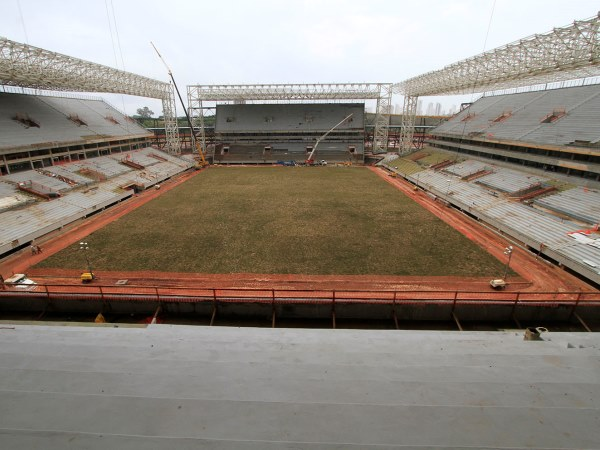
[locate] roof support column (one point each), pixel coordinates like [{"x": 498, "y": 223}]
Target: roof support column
[
  {"x": 196, "y": 113},
  {"x": 382, "y": 118},
  {"x": 407, "y": 131},
  {"x": 172, "y": 143}
]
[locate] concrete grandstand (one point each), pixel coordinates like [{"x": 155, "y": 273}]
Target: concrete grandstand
[
  {"x": 41, "y": 130},
  {"x": 81, "y": 188},
  {"x": 559, "y": 224},
  {"x": 554, "y": 130},
  {"x": 64, "y": 158},
  {"x": 267, "y": 133}
]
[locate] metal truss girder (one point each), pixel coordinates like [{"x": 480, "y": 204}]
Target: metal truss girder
[
  {"x": 407, "y": 131},
  {"x": 382, "y": 92},
  {"x": 287, "y": 92},
  {"x": 382, "y": 119},
  {"x": 27, "y": 66},
  {"x": 562, "y": 54},
  {"x": 33, "y": 67}
]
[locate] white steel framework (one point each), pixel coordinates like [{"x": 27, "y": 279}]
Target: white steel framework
[
  {"x": 381, "y": 92},
  {"x": 407, "y": 130},
  {"x": 27, "y": 66},
  {"x": 562, "y": 54}
]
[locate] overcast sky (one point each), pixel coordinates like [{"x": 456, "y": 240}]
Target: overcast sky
[{"x": 279, "y": 41}]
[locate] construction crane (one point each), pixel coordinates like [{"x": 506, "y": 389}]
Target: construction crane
[
  {"x": 201, "y": 163},
  {"x": 310, "y": 161}
]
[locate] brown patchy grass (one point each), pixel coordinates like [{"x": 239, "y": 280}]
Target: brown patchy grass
[
  {"x": 320, "y": 220},
  {"x": 406, "y": 166},
  {"x": 436, "y": 156}
]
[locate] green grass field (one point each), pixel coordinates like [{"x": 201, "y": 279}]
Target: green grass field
[{"x": 320, "y": 220}]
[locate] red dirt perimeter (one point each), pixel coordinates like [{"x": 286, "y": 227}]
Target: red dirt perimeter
[{"x": 535, "y": 275}]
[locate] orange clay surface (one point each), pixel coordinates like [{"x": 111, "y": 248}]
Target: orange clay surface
[{"x": 535, "y": 275}]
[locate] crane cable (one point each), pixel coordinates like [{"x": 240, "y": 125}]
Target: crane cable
[
  {"x": 487, "y": 33},
  {"x": 114, "y": 47},
  {"x": 23, "y": 22}
]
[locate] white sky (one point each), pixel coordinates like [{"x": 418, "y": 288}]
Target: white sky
[{"x": 279, "y": 41}]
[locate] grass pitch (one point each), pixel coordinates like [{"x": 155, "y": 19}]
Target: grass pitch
[{"x": 300, "y": 220}]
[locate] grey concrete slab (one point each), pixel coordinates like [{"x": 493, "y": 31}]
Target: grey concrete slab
[
  {"x": 301, "y": 422},
  {"x": 45, "y": 439},
  {"x": 184, "y": 387}
]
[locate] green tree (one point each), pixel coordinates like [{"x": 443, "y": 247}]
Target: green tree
[{"x": 145, "y": 112}]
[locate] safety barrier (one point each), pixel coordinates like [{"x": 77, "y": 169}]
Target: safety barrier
[{"x": 299, "y": 296}]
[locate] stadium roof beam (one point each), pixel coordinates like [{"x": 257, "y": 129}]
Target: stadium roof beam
[
  {"x": 381, "y": 92},
  {"x": 32, "y": 67},
  {"x": 561, "y": 54}
]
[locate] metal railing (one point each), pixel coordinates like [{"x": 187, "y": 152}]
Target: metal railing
[{"x": 300, "y": 296}]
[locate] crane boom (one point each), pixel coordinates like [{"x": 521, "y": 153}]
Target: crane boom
[
  {"x": 202, "y": 162},
  {"x": 309, "y": 160}
]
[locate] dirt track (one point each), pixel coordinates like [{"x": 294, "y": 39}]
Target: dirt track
[
  {"x": 535, "y": 275},
  {"x": 541, "y": 275}
]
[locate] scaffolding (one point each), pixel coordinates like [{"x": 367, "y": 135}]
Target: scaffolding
[
  {"x": 561, "y": 54},
  {"x": 198, "y": 95},
  {"x": 32, "y": 67}
]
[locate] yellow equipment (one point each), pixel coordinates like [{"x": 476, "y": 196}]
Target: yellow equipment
[
  {"x": 87, "y": 277},
  {"x": 201, "y": 162},
  {"x": 99, "y": 318}
]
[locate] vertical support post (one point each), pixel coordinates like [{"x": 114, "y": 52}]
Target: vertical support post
[
  {"x": 575, "y": 306},
  {"x": 272, "y": 308},
  {"x": 172, "y": 143},
  {"x": 407, "y": 130},
  {"x": 333, "y": 309},
  {"x": 155, "y": 316},
  {"x": 214, "y": 314},
  {"x": 196, "y": 113},
  {"x": 507, "y": 251},
  {"x": 214, "y": 311},
  {"x": 514, "y": 308},
  {"x": 514, "y": 316},
  {"x": 202, "y": 129},
  {"x": 382, "y": 118},
  {"x": 460, "y": 328},
  {"x": 588, "y": 329},
  {"x": 394, "y": 312}
]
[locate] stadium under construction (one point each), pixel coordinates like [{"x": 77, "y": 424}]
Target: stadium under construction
[{"x": 516, "y": 172}]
